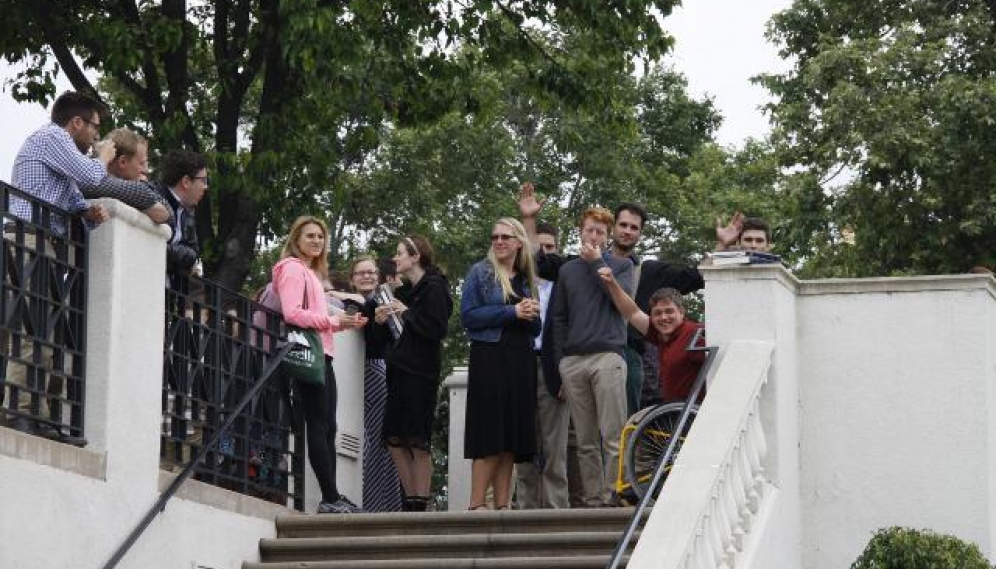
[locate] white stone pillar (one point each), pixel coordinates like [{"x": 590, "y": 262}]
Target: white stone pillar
[
  {"x": 458, "y": 477},
  {"x": 126, "y": 302},
  {"x": 758, "y": 302}
]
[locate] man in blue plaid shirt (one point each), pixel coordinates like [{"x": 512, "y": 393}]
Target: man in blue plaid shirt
[{"x": 52, "y": 164}]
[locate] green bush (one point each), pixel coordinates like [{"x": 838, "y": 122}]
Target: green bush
[{"x": 904, "y": 548}]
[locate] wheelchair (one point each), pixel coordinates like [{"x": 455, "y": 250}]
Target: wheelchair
[{"x": 642, "y": 445}]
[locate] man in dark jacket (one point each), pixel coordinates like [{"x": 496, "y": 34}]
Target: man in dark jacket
[{"x": 183, "y": 183}]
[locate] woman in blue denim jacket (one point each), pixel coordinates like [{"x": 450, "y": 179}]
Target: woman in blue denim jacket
[{"x": 500, "y": 311}]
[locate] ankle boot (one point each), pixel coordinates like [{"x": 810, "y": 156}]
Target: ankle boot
[{"x": 416, "y": 503}]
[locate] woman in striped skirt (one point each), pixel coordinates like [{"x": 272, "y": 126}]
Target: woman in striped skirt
[{"x": 381, "y": 487}]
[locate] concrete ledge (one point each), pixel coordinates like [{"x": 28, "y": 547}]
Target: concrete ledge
[
  {"x": 133, "y": 217},
  {"x": 23, "y": 446},
  {"x": 750, "y": 273},
  {"x": 900, "y": 284},
  {"x": 784, "y": 277},
  {"x": 456, "y": 379},
  {"x": 210, "y": 495}
]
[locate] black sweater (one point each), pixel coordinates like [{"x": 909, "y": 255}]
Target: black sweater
[{"x": 419, "y": 350}]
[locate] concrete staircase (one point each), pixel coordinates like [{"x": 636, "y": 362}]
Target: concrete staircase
[{"x": 534, "y": 539}]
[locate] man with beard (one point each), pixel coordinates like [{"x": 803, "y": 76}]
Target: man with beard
[{"x": 52, "y": 166}]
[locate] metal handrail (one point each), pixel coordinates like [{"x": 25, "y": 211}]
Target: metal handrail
[
  {"x": 658, "y": 477},
  {"x": 188, "y": 470}
]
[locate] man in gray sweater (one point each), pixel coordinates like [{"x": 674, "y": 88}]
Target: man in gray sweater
[{"x": 589, "y": 336}]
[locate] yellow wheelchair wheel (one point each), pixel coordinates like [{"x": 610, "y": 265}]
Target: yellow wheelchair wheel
[{"x": 644, "y": 442}]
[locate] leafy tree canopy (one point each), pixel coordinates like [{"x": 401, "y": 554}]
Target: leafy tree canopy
[
  {"x": 288, "y": 95},
  {"x": 895, "y": 98}
]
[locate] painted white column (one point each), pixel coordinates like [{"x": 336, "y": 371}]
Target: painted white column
[
  {"x": 758, "y": 302},
  {"x": 458, "y": 477},
  {"x": 126, "y": 302}
]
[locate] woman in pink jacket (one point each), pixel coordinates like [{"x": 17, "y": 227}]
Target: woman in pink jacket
[{"x": 297, "y": 280}]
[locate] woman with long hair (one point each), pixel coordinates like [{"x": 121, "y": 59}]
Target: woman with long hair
[
  {"x": 297, "y": 281},
  {"x": 501, "y": 312},
  {"x": 381, "y": 487},
  {"x": 414, "y": 362}
]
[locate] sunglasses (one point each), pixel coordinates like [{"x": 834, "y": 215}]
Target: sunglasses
[{"x": 501, "y": 237}]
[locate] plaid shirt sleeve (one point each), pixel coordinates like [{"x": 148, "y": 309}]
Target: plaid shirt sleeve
[
  {"x": 51, "y": 168},
  {"x": 136, "y": 194}
]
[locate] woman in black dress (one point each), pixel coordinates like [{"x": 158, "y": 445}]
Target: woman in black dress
[
  {"x": 500, "y": 310},
  {"x": 414, "y": 362}
]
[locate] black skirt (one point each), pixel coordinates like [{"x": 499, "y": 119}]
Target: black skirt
[
  {"x": 410, "y": 408},
  {"x": 501, "y": 397}
]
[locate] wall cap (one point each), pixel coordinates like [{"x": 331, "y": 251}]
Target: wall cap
[
  {"x": 23, "y": 446},
  {"x": 919, "y": 283},
  {"x": 133, "y": 217}
]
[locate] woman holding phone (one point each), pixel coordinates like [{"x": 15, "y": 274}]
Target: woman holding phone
[{"x": 297, "y": 281}]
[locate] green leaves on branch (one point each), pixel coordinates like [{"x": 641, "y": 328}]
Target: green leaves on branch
[{"x": 899, "y": 98}]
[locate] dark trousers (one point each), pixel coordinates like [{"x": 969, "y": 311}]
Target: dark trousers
[{"x": 319, "y": 406}]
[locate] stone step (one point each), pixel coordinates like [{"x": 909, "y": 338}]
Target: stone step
[
  {"x": 443, "y": 523},
  {"x": 479, "y": 545},
  {"x": 574, "y": 562}
]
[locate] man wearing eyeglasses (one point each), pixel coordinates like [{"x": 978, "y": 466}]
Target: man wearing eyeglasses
[
  {"x": 184, "y": 182},
  {"x": 52, "y": 166}
]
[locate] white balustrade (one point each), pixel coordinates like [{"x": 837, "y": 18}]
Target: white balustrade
[{"x": 721, "y": 475}]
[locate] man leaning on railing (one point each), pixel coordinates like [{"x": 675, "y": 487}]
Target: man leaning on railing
[{"x": 52, "y": 166}]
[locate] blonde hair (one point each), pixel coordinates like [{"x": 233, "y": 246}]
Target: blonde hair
[
  {"x": 126, "y": 142},
  {"x": 523, "y": 264},
  {"x": 320, "y": 264}
]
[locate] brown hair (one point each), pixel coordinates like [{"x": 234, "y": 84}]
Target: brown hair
[
  {"x": 665, "y": 295},
  {"x": 416, "y": 244}
]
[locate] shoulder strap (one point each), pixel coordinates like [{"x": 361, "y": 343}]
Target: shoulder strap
[{"x": 636, "y": 278}]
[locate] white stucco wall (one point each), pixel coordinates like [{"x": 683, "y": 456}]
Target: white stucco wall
[
  {"x": 879, "y": 400},
  {"x": 70, "y": 507},
  {"x": 896, "y": 387}
]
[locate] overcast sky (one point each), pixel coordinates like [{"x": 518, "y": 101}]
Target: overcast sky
[{"x": 719, "y": 46}]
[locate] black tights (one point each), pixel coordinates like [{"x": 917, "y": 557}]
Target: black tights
[{"x": 318, "y": 404}]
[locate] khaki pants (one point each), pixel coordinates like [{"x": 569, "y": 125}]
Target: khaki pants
[
  {"x": 542, "y": 483},
  {"x": 595, "y": 385}
]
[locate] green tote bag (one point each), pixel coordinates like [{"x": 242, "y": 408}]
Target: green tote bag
[{"x": 306, "y": 360}]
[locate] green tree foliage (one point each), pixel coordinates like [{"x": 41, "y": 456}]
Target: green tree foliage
[
  {"x": 886, "y": 121},
  {"x": 904, "y": 548},
  {"x": 290, "y": 95}
]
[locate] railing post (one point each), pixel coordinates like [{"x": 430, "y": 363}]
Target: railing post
[{"x": 458, "y": 477}]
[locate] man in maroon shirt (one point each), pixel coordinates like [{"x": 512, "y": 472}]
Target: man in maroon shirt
[
  {"x": 672, "y": 332},
  {"x": 667, "y": 328}
]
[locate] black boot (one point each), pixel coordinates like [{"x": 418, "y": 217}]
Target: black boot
[{"x": 416, "y": 503}]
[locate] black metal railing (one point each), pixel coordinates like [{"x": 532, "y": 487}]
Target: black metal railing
[
  {"x": 42, "y": 318},
  {"x": 214, "y": 355},
  {"x": 668, "y": 457}
]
